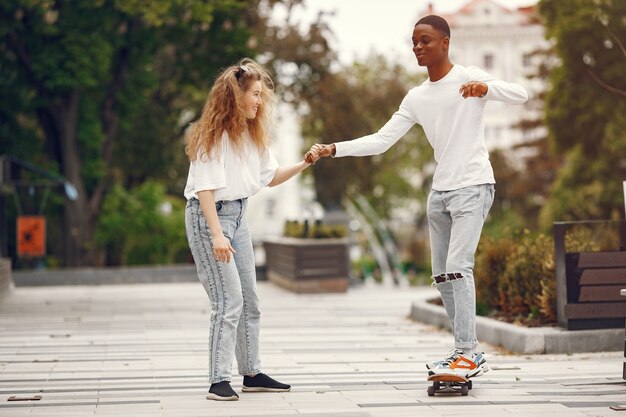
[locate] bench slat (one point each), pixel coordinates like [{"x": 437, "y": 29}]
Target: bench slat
[
  {"x": 600, "y": 293},
  {"x": 595, "y": 310},
  {"x": 603, "y": 276},
  {"x": 602, "y": 260}
]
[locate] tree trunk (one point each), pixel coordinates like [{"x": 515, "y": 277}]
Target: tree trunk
[
  {"x": 60, "y": 124},
  {"x": 77, "y": 218}
]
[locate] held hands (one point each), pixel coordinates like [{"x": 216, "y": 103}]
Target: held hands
[
  {"x": 318, "y": 151},
  {"x": 473, "y": 89},
  {"x": 222, "y": 249}
]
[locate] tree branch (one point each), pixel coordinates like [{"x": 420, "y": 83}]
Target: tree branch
[
  {"x": 606, "y": 86},
  {"x": 619, "y": 42},
  {"x": 108, "y": 116},
  {"x": 15, "y": 44}
]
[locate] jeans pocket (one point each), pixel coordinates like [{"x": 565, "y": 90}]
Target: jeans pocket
[{"x": 464, "y": 201}]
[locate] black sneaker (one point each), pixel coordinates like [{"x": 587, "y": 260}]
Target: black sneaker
[
  {"x": 263, "y": 383},
  {"x": 222, "y": 392}
]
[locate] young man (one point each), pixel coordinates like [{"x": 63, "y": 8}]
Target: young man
[{"x": 449, "y": 106}]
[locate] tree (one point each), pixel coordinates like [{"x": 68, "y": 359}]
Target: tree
[
  {"x": 98, "y": 90},
  {"x": 585, "y": 107},
  {"x": 343, "y": 102},
  {"x": 358, "y": 101},
  {"x": 526, "y": 172}
]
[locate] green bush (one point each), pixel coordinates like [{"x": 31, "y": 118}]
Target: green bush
[
  {"x": 529, "y": 270},
  {"x": 515, "y": 272},
  {"x": 142, "y": 226},
  {"x": 490, "y": 266},
  {"x": 515, "y": 277},
  {"x": 317, "y": 230},
  {"x": 592, "y": 238},
  {"x": 366, "y": 266}
]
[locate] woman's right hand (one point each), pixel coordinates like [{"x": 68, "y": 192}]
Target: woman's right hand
[
  {"x": 318, "y": 151},
  {"x": 222, "y": 249}
]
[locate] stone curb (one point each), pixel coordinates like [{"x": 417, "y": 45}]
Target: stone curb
[
  {"x": 524, "y": 340},
  {"x": 107, "y": 275},
  {"x": 112, "y": 275}
]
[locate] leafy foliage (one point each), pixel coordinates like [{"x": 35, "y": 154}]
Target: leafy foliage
[
  {"x": 585, "y": 107},
  {"x": 316, "y": 230},
  {"x": 515, "y": 277},
  {"x": 357, "y": 109},
  {"x": 525, "y": 172},
  {"x": 100, "y": 91},
  {"x": 142, "y": 226},
  {"x": 515, "y": 272},
  {"x": 344, "y": 102}
]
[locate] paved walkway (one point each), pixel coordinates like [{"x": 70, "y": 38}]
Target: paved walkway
[{"x": 140, "y": 350}]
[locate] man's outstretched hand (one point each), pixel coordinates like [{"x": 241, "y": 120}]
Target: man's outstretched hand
[{"x": 318, "y": 151}]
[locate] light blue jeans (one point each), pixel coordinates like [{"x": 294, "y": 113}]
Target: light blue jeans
[
  {"x": 235, "y": 315},
  {"x": 455, "y": 220}
]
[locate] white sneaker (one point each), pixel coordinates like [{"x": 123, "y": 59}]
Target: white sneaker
[
  {"x": 450, "y": 356},
  {"x": 481, "y": 365},
  {"x": 462, "y": 365}
]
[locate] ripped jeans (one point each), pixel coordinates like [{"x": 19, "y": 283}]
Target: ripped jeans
[{"x": 455, "y": 220}]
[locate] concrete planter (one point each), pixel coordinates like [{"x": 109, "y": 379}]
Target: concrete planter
[
  {"x": 308, "y": 265},
  {"x": 524, "y": 340}
]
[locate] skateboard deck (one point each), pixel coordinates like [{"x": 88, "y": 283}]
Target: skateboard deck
[{"x": 448, "y": 384}]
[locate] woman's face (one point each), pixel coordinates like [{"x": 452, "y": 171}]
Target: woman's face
[{"x": 252, "y": 99}]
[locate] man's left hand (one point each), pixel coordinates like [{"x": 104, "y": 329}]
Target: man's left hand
[{"x": 473, "y": 89}]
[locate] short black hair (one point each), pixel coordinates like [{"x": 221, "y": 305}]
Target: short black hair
[{"x": 437, "y": 22}]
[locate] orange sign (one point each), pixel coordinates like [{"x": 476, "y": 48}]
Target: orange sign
[{"x": 31, "y": 236}]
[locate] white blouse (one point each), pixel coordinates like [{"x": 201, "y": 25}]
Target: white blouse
[{"x": 232, "y": 174}]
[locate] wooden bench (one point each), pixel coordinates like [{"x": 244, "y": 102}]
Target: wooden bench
[{"x": 589, "y": 283}]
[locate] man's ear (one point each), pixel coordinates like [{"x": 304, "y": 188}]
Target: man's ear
[{"x": 446, "y": 43}]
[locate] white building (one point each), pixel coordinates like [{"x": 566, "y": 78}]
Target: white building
[{"x": 501, "y": 41}]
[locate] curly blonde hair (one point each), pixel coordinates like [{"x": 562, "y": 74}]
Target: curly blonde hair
[{"x": 224, "y": 112}]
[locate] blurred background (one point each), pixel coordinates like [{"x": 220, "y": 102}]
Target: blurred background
[{"x": 95, "y": 96}]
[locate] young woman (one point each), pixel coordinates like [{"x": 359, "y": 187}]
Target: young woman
[{"x": 230, "y": 161}]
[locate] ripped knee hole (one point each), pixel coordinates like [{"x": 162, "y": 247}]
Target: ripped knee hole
[{"x": 452, "y": 276}]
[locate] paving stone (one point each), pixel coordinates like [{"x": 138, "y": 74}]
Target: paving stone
[{"x": 141, "y": 350}]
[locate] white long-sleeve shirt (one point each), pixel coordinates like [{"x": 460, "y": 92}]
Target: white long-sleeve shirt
[
  {"x": 453, "y": 125},
  {"x": 233, "y": 175}
]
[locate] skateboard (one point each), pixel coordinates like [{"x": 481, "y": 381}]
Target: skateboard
[{"x": 448, "y": 384}]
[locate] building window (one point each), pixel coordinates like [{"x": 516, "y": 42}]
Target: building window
[
  {"x": 526, "y": 60},
  {"x": 488, "y": 61},
  {"x": 270, "y": 208}
]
